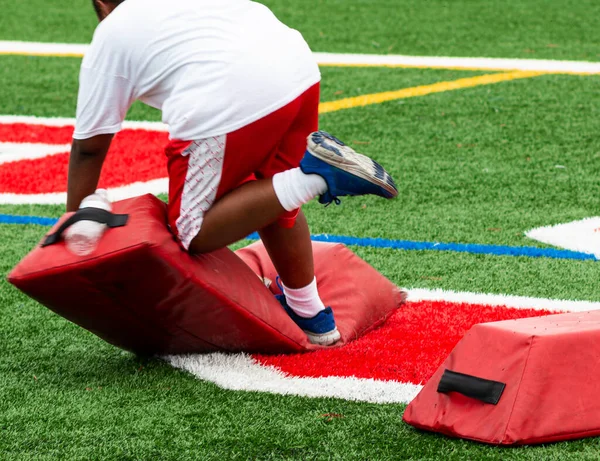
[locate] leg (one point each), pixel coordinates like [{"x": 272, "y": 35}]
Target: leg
[
  {"x": 249, "y": 208},
  {"x": 290, "y": 251},
  {"x": 209, "y": 209},
  {"x": 244, "y": 210},
  {"x": 213, "y": 222},
  {"x": 253, "y": 206},
  {"x": 211, "y": 202}
]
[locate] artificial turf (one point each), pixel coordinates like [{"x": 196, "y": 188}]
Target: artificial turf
[
  {"x": 536, "y": 29},
  {"x": 68, "y": 395},
  {"x": 479, "y": 165}
]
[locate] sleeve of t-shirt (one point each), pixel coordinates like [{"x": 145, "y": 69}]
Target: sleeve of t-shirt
[{"x": 102, "y": 103}]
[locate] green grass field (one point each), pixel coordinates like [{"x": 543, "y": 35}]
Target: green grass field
[{"x": 475, "y": 165}]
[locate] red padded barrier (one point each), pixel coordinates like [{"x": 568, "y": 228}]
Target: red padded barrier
[
  {"x": 141, "y": 292},
  {"x": 549, "y": 367},
  {"x": 360, "y": 297}
]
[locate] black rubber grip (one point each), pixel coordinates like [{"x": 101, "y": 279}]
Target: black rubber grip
[
  {"x": 87, "y": 214},
  {"x": 471, "y": 386}
]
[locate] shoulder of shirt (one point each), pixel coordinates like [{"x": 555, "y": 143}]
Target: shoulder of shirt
[
  {"x": 113, "y": 37},
  {"x": 109, "y": 30},
  {"x": 121, "y": 26}
]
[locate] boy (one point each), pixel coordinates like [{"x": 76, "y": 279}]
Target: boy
[{"x": 239, "y": 91}]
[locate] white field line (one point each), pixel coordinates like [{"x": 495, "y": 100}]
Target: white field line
[
  {"x": 516, "y": 302},
  {"x": 42, "y": 49},
  {"x": 582, "y": 235},
  {"x": 14, "y": 151},
  {"x": 62, "y": 121},
  {"x": 155, "y": 186},
  {"x": 242, "y": 372},
  {"x": 337, "y": 59},
  {"x": 442, "y": 62}
]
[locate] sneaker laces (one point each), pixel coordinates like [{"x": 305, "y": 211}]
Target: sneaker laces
[
  {"x": 336, "y": 200},
  {"x": 327, "y": 198}
]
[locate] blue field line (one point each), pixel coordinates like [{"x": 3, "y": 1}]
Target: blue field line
[
  {"x": 39, "y": 220},
  {"x": 473, "y": 248}
]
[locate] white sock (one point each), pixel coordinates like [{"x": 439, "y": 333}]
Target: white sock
[
  {"x": 294, "y": 188},
  {"x": 305, "y": 302}
]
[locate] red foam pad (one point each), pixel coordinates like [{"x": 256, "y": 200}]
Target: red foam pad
[
  {"x": 548, "y": 365},
  {"x": 141, "y": 292},
  {"x": 360, "y": 297}
]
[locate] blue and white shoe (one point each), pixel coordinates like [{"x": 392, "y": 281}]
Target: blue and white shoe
[
  {"x": 345, "y": 171},
  {"x": 319, "y": 329}
]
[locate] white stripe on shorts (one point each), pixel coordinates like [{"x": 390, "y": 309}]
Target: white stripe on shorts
[{"x": 202, "y": 179}]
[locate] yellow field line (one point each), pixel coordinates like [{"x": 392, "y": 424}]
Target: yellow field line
[
  {"x": 378, "y": 98},
  {"x": 43, "y": 54}
]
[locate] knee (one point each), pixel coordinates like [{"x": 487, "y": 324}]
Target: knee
[{"x": 200, "y": 245}]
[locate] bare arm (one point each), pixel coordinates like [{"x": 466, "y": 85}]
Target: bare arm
[{"x": 85, "y": 165}]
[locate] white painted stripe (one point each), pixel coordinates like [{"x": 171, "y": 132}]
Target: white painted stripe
[
  {"x": 12, "y": 151},
  {"x": 552, "y": 66},
  {"x": 517, "y": 302},
  {"x": 579, "y": 67},
  {"x": 240, "y": 372},
  {"x": 156, "y": 186},
  {"x": 202, "y": 179},
  {"x": 38, "y": 48},
  {"x": 582, "y": 235},
  {"x": 60, "y": 121},
  {"x": 30, "y": 120}
]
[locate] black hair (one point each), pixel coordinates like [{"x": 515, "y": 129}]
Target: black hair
[{"x": 97, "y": 8}]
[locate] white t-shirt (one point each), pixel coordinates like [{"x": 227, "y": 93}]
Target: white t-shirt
[{"x": 211, "y": 66}]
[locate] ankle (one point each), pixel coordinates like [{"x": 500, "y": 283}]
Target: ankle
[
  {"x": 304, "y": 301},
  {"x": 294, "y": 188}
]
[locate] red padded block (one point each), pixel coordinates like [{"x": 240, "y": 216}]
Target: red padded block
[
  {"x": 550, "y": 368},
  {"x": 141, "y": 292},
  {"x": 360, "y": 297}
]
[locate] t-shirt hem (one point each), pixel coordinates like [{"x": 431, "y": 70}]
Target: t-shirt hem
[
  {"x": 257, "y": 115},
  {"x": 98, "y": 131}
]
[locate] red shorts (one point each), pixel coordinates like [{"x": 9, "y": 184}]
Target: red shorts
[{"x": 203, "y": 170}]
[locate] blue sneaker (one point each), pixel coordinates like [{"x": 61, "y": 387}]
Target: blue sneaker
[
  {"x": 319, "y": 329},
  {"x": 345, "y": 171}
]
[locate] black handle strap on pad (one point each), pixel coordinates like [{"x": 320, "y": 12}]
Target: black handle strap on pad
[
  {"x": 87, "y": 214},
  {"x": 471, "y": 386}
]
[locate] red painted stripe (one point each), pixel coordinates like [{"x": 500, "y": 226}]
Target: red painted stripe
[
  {"x": 409, "y": 347},
  {"x": 135, "y": 155},
  {"x": 21, "y": 132}
]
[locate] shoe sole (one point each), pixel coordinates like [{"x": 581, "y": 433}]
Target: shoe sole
[
  {"x": 324, "y": 339},
  {"x": 347, "y": 159}
]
